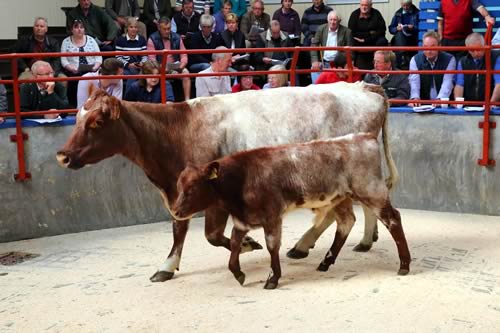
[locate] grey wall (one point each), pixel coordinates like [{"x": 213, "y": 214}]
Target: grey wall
[{"x": 435, "y": 154}]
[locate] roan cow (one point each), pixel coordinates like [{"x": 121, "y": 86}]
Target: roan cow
[{"x": 163, "y": 139}]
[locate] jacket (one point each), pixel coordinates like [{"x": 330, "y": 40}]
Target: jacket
[
  {"x": 396, "y": 86},
  {"x": 344, "y": 38},
  {"x": 97, "y": 23},
  {"x": 410, "y": 17},
  {"x": 165, "y": 9},
  {"x": 27, "y": 45}
]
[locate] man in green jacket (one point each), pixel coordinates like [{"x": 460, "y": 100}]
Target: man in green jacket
[{"x": 96, "y": 21}]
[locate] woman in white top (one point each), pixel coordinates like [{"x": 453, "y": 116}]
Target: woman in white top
[{"x": 80, "y": 42}]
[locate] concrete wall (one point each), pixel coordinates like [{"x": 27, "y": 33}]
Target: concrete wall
[{"x": 435, "y": 154}]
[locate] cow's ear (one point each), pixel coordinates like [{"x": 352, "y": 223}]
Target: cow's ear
[
  {"x": 115, "y": 107},
  {"x": 212, "y": 171}
]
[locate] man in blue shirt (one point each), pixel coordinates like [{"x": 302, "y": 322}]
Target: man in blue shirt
[{"x": 404, "y": 27}]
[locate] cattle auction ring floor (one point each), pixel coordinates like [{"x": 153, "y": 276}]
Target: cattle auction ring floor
[{"x": 99, "y": 282}]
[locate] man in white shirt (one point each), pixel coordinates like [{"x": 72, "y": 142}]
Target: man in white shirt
[
  {"x": 329, "y": 34},
  {"x": 114, "y": 87},
  {"x": 215, "y": 85}
]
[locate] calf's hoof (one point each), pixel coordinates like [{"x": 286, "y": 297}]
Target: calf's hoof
[
  {"x": 403, "y": 271},
  {"x": 270, "y": 284},
  {"x": 296, "y": 254},
  {"x": 362, "y": 248},
  {"x": 161, "y": 276},
  {"x": 323, "y": 267},
  {"x": 240, "y": 278}
]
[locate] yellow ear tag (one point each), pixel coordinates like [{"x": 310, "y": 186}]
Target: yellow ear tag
[
  {"x": 213, "y": 175},
  {"x": 93, "y": 125}
]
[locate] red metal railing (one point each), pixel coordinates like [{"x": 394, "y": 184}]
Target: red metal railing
[{"x": 486, "y": 125}]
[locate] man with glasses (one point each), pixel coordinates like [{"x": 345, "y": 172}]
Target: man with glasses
[
  {"x": 42, "y": 96},
  {"x": 255, "y": 21}
]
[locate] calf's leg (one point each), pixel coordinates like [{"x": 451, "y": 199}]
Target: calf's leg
[
  {"x": 215, "y": 224},
  {"x": 272, "y": 231},
  {"x": 345, "y": 220},
  {"x": 307, "y": 241},
  {"x": 234, "y": 259}
]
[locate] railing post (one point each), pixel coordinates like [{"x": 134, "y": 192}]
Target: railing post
[
  {"x": 349, "y": 63},
  {"x": 19, "y": 137},
  {"x": 486, "y": 125},
  {"x": 295, "y": 59},
  {"x": 163, "y": 78}
]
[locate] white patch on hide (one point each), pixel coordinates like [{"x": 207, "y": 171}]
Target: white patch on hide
[{"x": 170, "y": 264}]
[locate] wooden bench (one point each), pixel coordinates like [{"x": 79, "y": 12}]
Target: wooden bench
[{"x": 429, "y": 11}]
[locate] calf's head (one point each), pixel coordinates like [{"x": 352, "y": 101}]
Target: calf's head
[
  {"x": 98, "y": 133},
  {"x": 196, "y": 190}
]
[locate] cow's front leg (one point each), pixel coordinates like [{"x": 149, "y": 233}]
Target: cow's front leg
[
  {"x": 321, "y": 222},
  {"x": 166, "y": 270},
  {"x": 215, "y": 224},
  {"x": 234, "y": 260},
  {"x": 273, "y": 243},
  {"x": 345, "y": 221},
  {"x": 371, "y": 231}
]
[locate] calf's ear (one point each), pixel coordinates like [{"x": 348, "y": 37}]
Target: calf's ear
[
  {"x": 212, "y": 171},
  {"x": 115, "y": 108}
]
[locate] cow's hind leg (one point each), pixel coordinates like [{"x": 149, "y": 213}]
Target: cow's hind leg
[
  {"x": 371, "y": 231},
  {"x": 345, "y": 220},
  {"x": 273, "y": 242},
  {"x": 321, "y": 222},
  {"x": 215, "y": 224},
  {"x": 391, "y": 218},
  {"x": 234, "y": 259},
  {"x": 166, "y": 270}
]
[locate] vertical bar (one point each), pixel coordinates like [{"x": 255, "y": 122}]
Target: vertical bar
[
  {"x": 22, "y": 175},
  {"x": 295, "y": 59},
  {"x": 163, "y": 78},
  {"x": 485, "y": 160},
  {"x": 349, "y": 63}
]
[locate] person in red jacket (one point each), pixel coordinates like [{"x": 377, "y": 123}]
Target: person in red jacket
[
  {"x": 245, "y": 82},
  {"x": 455, "y": 21},
  {"x": 339, "y": 62}
]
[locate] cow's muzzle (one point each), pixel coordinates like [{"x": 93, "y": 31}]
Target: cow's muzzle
[{"x": 63, "y": 159}]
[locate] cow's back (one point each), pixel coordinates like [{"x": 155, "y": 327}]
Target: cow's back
[{"x": 253, "y": 119}]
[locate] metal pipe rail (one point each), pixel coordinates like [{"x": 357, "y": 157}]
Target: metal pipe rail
[{"x": 19, "y": 137}]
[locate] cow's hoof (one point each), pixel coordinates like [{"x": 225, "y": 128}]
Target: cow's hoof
[
  {"x": 362, "y": 248},
  {"x": 375, "y": 236},
  {"x": 403, "y": 271},
  {"x": 323, "y": 267},
  {"x": 240, "y": 278},
  {"x": 161, "y": 276},
  {"x": 296, "y": 254},
  {"x": 253, "y": 243},
  {"x": 270, "y": 285}
]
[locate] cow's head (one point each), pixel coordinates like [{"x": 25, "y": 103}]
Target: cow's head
[
  {"x": 98, "y": 133},
  {"x": 196, "y": 190}
]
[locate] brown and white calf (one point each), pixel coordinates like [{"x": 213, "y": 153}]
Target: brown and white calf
[
  {"x": 163, "y": 139},
  {"x": 257, "y": 187}
]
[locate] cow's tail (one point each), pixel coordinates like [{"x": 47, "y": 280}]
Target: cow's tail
[{"x": 393, "y": 170}]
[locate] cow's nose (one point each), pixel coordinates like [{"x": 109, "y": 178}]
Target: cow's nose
[{"x": 63, "y": 159}]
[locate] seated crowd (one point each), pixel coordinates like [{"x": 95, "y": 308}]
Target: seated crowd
[{"x": 226, "y": 25}]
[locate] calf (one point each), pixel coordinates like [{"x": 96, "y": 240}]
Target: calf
[{"x": 257, "y": 187}]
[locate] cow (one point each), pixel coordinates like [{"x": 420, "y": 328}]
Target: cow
[
  {"x": 257, "y": 187},
  {"x": 163, "y": 139}
]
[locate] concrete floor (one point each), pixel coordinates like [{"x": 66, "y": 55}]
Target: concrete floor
[{"x": 98, "y": 282}]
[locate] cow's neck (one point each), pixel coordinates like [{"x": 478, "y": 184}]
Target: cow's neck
[{"x": 157, "y": 142}]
